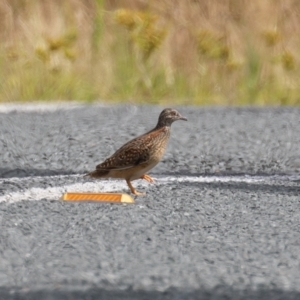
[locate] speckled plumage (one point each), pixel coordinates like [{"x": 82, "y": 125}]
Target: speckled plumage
[{"x": 141, "y": 154}]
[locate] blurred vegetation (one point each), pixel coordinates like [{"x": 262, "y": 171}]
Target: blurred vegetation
[{"x": 225, "y": 52}]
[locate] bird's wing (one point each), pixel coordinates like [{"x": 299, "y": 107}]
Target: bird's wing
[{"x": 131, "y": 154}]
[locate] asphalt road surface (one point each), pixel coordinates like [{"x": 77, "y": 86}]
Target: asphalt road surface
[{"x": 222, "y": 220}]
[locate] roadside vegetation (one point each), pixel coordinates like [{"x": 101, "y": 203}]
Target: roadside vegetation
[{"x": 223, "y": 52}]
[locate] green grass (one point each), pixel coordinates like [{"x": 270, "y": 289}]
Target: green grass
[{"x": 118, "y": 54}]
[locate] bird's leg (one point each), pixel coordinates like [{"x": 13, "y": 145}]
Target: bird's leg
[
  {"x": 133, "y": 190},
  {"x": 148, "y": 178}
]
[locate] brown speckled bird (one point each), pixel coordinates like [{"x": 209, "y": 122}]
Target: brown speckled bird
[{"x": 134, "y": 159}]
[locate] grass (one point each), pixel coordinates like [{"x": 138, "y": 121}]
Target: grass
[{"x": 223, "y": 52}]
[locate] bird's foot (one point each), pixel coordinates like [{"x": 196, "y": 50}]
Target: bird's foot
[
  {"x": 133, "y": 190},
  {"x": 148, "y": 178}
]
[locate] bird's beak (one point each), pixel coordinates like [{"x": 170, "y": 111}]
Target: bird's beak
[{"x": 182, "y": 118}]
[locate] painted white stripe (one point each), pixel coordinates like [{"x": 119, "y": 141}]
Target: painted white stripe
[
  {"x": 43, "y": 107},
  {"x": 208, "y": 179},
  {"x": 118, "y": 185},
  {"x": 54, "y": 193}
]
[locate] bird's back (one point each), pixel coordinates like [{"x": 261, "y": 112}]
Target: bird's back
[{"x": 147, "y": 147}]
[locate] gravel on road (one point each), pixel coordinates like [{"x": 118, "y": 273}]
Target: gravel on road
[{"x": 183, "y": 240}]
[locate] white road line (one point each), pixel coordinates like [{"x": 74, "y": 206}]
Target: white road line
[
  {"x": 54, "y": 193},
  {"x": 43, "y": 107},
  {"x": 209, "y": 179},
  {"x": 36, "y": 193}
]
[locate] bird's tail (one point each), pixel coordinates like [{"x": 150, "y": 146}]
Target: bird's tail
[{"x": 97, "y": 174}]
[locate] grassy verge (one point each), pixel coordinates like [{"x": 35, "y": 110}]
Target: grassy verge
[{"x": 224, "y": 52}]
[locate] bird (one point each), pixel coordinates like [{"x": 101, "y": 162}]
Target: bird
[{"x": 135, "y": 158}]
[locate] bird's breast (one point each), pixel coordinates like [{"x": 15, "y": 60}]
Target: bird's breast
[{"x": 160, "y": 142}]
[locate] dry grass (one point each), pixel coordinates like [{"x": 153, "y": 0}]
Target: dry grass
[{"x": 192, "y": 51}]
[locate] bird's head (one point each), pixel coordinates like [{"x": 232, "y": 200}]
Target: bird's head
[{"x": 168, "y": 116}]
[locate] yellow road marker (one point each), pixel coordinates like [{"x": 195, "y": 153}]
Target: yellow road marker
[{"x": 98, "y": 197}]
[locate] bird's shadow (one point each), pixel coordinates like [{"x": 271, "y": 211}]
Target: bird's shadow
[
  {"x": 26, "y": 172},
  {"x": 246, "y": 187}
]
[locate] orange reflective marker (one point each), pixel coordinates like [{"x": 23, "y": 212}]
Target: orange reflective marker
[{"x": 98, "y": 197}]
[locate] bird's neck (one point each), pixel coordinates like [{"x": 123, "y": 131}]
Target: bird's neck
[
  {"x": 163, "y": 128},
  {"x": 162, "y": 124}
]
